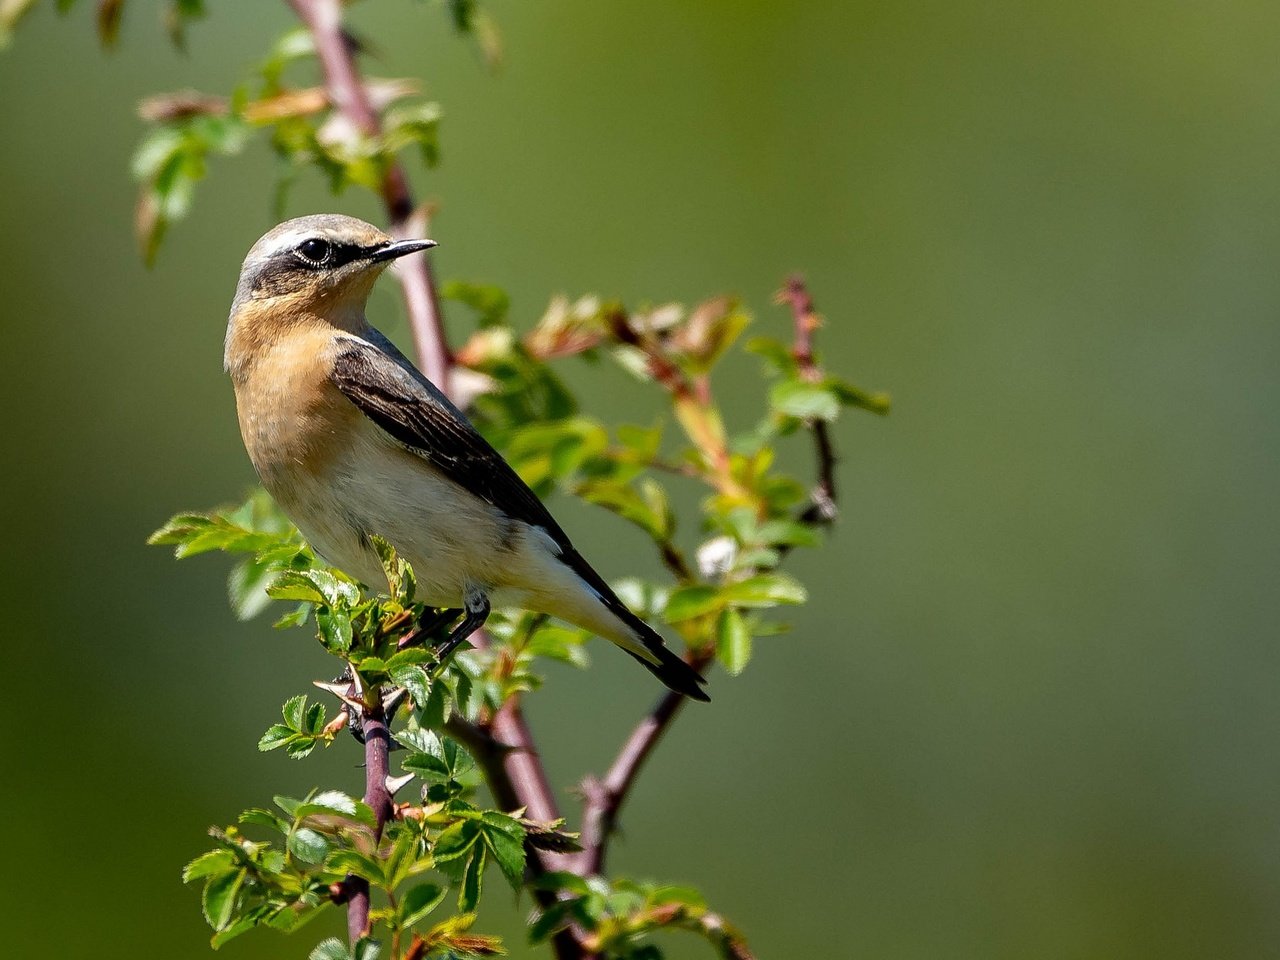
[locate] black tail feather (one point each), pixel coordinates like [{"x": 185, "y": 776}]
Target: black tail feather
[
  {"x": 675, "y": 674},
  {"x": 670, "y": 669}
]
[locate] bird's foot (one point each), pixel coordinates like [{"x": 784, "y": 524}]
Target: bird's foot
[{"x": 476, "y": 604}]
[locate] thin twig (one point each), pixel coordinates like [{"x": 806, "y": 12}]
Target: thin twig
[
  {"x": 795, "y": 294},
  {"x": 605, "y": 797},
  {"x": 323, "y": 19}
]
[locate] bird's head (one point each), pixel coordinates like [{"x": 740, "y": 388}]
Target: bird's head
[{"x": 319, "y": 266}]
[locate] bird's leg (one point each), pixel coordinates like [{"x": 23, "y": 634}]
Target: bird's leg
[
  {"x": 428, "y": 625},
  {"x": 476, "y": 606}
]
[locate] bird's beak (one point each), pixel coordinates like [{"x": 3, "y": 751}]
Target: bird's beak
[{"x": 400, "y": 248}]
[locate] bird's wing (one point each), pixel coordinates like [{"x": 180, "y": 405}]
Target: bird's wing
[{"x": 392, "y": 393}]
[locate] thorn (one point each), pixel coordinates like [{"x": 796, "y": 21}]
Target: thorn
[
  {"x": 340, "y": 690},
  {"x": 391, "y": 702},
  {"x": 395, "y": 784}
]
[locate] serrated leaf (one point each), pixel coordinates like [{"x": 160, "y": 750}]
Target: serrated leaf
[
  {"x": 426, "y": 765},
  {"x": 335, "y": 628},
  {"x": 335, "y": 801},
  {"x": 357, "y": 863},
  {"x": 455, "y": 840},
  {"x": 472, "y": 881},
  {"x": 277, "y": 735},
  {"x": 313, "y": 720},
  {"x": 419, "y": 901},
  {"x": 214, "y": 861},
  {"x": 219, "y": 898},
  {"x": 295, "y": 586},
  {"x": 330, "y": 949},
  {"x": 263, "y": 818},
  {"x": 293, "y": 711},
  {"x": 414, "y": 679},
  {"x": 308, "y": 845},
  {"x": 505, "y": 841}
]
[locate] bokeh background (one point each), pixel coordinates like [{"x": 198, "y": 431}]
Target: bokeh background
[{"x": 1031, "y": 710}]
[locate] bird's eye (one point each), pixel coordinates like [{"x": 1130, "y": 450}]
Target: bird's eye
[{"x": 315, "y": 250}]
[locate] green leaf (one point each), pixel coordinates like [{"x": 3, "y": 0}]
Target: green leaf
[
  {"x": 330, "y": 949},
  {"x": 335, "y": 801},
  {"x": 308, "y": 845},
  {"x": 277, "y": 735},
  {"x": 420, "y": 901},
  {"x": 852, "y": 396},
  {"x": 293, "y": 711},
  {"x": 366, "y": 949},
  {"x": 295, "y": 618},
  {"x": 413, "y": 678},
  {"x": 353, "y": 861},
  {"x": 804, "y": 400},
  {"x": 301, "y": 746},
  {"x": 295, "y": 586},
  {"x": 694, "y": 600},
  {"x": 766, "y": 590},
  {"x": 207, "y": 864},
  {"x": 242, "y": 925},
  {"x": 472, "y": 880},
  {"x": 335, "y": 629},
  {"x": 676, "y": 894},
  {"x": 733, "y": 641},
  {"x": 505, "y": 839},
  {"x": 426, "y": 765},
  {"x": 263, "y": 818},
  {"x": 247, "y": 587},
  {"x": 219, "y": 899},
  {"x": 455, "y": 840},
  {"x": 313, "y": 721}
]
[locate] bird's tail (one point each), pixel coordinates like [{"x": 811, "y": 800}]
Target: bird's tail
[
  {"x": 640, "y": 640},
  {"x": 674, "y": 673}
]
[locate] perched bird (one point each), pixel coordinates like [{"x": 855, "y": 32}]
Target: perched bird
[{"x": 352, "y": 440}]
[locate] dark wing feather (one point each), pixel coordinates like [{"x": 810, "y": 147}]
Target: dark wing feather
[
  {"x": 395, "y": 395},
  {"x": 398, "y": 398}
]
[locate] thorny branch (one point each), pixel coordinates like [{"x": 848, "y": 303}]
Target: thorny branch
[{"x": 377, "y": 746}]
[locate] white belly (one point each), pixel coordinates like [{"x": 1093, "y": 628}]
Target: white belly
[{"x": 374, "y": 486}]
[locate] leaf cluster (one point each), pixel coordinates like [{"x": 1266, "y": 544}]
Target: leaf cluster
[{"x": 617, "y": 919}]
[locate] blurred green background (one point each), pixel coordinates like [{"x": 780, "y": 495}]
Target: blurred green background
[{"x": 1030, "y": 710}]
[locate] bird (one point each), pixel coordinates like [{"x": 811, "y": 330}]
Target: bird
[{"x": 353, "y": 441}]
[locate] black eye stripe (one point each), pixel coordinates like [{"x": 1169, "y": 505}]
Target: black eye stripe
[{"x": 319, "y": 254}]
